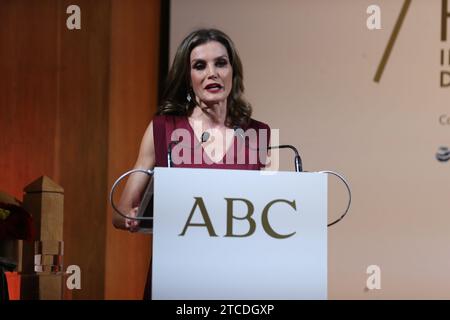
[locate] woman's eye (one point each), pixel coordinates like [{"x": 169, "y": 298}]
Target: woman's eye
[
  {"x": 199, "y": 66},
  {"x": 221, "y": 63}
]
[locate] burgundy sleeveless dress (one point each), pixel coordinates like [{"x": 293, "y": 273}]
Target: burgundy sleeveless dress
[{"x": 164, "y": 126}]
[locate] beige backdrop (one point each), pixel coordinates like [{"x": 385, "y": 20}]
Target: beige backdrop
[{"x": 309, "y": 69}]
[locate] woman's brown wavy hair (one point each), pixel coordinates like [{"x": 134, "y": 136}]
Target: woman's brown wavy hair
[{"x": 174, "y": 100}]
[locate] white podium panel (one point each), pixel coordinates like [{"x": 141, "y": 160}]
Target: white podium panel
[{"x": 234, "y": 234}]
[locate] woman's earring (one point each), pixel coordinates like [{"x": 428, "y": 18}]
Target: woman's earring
[{"x": 188, "y": 98}]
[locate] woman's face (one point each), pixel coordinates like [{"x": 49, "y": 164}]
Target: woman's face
[{"x": 211, "y": 72}]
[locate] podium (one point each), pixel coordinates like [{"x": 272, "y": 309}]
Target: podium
[{"x": 236, "y": 234}]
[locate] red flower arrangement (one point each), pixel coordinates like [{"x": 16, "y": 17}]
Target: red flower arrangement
[{"x": 15, "y": 222}]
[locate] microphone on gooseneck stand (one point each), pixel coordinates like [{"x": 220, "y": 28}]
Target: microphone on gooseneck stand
[
  {"x": 297, "y": 159},
  {"x": 169, "y": 153}
]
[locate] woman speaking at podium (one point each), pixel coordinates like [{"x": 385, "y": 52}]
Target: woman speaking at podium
[{"x": 203, "y": 100}]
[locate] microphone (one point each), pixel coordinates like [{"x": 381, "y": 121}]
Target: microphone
[
  {"x": 297, "y": 158},
  {"x": 205, "y": 137},
  {"x": 169, "y": 152}
]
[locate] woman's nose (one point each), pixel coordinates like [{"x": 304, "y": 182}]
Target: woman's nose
[{"x": 212, "y": 71}]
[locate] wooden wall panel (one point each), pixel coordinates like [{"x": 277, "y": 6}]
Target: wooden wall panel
[
  {"x": 83, "y": 147},
  {"x": 27, "y": 96},
  {"x": 74, "y": 106},
  {"x": 133, "y": 99},
  {"x": 54, "y": 118}
]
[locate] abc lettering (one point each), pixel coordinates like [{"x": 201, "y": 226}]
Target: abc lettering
[{"x": 199, "y": 205}]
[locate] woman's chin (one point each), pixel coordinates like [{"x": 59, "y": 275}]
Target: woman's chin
[{"x": 211, "y": 102}]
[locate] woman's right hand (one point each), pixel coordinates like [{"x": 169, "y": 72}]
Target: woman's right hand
[
  {"x": 130, "y": 224},
  {"x": 136, "y": 184}
]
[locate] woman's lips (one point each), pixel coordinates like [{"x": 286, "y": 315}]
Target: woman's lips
[{"x": 213, "y": 88}]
